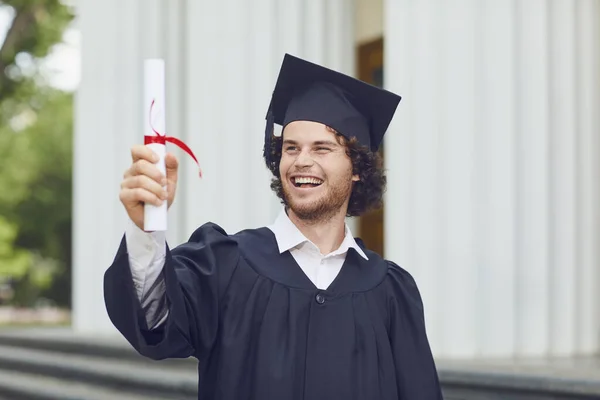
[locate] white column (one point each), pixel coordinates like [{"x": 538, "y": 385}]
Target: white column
[
  {"x": 588, "y": 199},
  {"x": 533, "y": 182},
  {"x": 99, "y": 151},
  {"x": 174, "y": 51},
  {"x": 493, "y": 176},
  {"x": 233, "y": 61},
  {"x": 222, "y": 60}
]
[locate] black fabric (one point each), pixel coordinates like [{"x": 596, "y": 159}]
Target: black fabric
[
  {"x": 261, "y": 330},
  {"x": 310, "y": 92},
  {"x": 328, "y": 104}
]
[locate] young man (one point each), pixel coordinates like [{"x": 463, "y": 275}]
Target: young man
[{"x": 296, "y": 310}]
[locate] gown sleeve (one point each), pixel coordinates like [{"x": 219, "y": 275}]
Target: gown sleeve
[
  {"x": 196, "y": 275},
  {"x": 417, "y": 375}
]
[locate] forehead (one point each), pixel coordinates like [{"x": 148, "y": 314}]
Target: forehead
[{"x": 307, "y": 131}]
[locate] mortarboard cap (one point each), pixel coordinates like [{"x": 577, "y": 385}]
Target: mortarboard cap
[{"x": 310, "y": 92}]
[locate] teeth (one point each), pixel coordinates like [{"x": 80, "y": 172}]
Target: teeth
[{"x": 302, "y": 179}]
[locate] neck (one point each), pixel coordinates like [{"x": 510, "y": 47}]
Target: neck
[{"x": 326, "y": 233}]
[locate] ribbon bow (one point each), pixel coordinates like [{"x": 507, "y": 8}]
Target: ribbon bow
[{"x": 163, "y": 139}]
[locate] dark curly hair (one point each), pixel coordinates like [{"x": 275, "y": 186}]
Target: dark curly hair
[{"x": 367, "y": 193}]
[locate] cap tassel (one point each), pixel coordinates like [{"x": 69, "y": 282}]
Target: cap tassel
[{"x": 268, "y": 137}]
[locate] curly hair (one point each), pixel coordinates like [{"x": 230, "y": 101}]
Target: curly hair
[{"x": 367, "y": 193}]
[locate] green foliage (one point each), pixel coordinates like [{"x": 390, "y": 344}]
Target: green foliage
[
  {"x": 14, "y": 263},
  {"x": 36, "y": 27},
  {"x": 36, "y": 132},
  {"x": 37, "y": 192}
]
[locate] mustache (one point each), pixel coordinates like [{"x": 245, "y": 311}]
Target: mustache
[{"x": 304, "y": 171}]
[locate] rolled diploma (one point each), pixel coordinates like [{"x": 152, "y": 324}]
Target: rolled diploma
[{"x": 155, "y": 218}]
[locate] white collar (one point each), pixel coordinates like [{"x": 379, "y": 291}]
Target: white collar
[{"x": 289, "y": 236}]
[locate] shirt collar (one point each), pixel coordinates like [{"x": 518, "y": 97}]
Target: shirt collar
[{"x": 289, "y": 236}]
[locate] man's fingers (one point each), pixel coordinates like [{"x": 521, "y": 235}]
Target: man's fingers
[
  {"x": 143, "y": 167},
  {"x": 171, "y": 163},
  {"x": 139, "y": 195},
  {"x": 144, "y": 182},
  {"x": 143, "y": 152}
]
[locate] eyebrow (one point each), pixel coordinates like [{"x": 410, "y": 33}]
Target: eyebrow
[
  {"x": 325, "y": 142},
  {"x": 317, "y": 143}
]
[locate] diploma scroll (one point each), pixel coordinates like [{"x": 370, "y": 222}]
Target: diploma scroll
[{"x": 155, "y": 218}]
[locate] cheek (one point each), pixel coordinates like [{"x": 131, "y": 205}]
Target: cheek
[
  {"x": 284, "y": 166},
  {"x": 341, "y": 169}
]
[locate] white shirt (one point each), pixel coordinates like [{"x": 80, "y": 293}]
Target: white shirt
[
  {"x": 321, "y": 269},
  {"x": 146, "y": 251}
]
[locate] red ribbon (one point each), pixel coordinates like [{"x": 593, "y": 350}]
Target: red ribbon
[{"x": 163, "y": 139}]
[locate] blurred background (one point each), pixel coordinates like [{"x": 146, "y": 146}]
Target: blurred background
[
  {"x": 40, "y": 64},
  {"x": 492, "y": 158}
]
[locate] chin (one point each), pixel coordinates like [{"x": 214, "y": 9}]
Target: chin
[
  {"x": 309, "y": 212},
  {"x": 315, "y": 204},
  {"x": 303, "y": 203},
  {"x": 313, "y": 208}
]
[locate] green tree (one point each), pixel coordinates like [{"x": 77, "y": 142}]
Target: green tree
[
  {"x": 35, "y": 155},
  {"x": 14, "y": 262}
]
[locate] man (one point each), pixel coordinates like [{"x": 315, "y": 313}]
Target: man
[{"x": 296, "y": 310}]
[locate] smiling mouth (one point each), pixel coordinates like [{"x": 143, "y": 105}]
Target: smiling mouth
[{"x": 306, "y": 182}]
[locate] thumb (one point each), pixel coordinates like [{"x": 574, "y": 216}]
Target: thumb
[{"x": 171, "y": 166}]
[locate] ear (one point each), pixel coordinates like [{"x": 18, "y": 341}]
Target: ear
[{"x": 355, "y": 178}]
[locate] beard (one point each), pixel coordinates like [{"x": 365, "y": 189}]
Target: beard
[{"x": 325, "y": 207}]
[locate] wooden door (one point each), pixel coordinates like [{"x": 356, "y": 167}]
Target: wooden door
[{"x": 370, "y": 70}]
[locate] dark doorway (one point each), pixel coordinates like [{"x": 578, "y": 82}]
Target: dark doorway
[{"x": 370, "y": 70}]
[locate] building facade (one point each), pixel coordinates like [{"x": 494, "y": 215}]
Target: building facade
[{"x": 492, "y": 158}]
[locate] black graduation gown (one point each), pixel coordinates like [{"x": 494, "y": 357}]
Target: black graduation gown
[{"x": 261, "y": 330}]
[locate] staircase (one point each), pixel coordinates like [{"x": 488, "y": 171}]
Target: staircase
[
  {"x": 54, "y": 364},
  {"x": 528, "y": 379}
]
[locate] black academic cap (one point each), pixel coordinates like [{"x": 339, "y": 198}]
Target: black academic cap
[{"x": 307, "y": 91}]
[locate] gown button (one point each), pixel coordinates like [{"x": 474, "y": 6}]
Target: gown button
[{"x": 320, "y": 298}]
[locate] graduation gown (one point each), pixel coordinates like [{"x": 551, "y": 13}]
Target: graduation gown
[{"x": 261, "y": 329}]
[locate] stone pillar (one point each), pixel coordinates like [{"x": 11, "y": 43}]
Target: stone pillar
[
  {"x": 232, "y": 62},
  {"x": 493, "y": 169},
  {"x": 222, "y": 60}
]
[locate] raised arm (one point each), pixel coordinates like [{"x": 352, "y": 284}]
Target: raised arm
[{"x": 165, "y": 302}]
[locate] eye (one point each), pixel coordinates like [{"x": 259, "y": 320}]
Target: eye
[
  {"x": 323, "y": 150},
  {"x": 290, "y": 148}
]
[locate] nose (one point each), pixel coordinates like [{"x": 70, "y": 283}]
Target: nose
[{"x": 304, "y": 159}]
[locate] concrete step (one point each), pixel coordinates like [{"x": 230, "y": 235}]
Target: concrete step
[
  {"x": 63, "y": 340},
  {"x": 526, "y": 380},
  {"x": 63, "y": 359},
  {"x": 127, "y": 376},
  {"x": 24, "y": 386}
]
